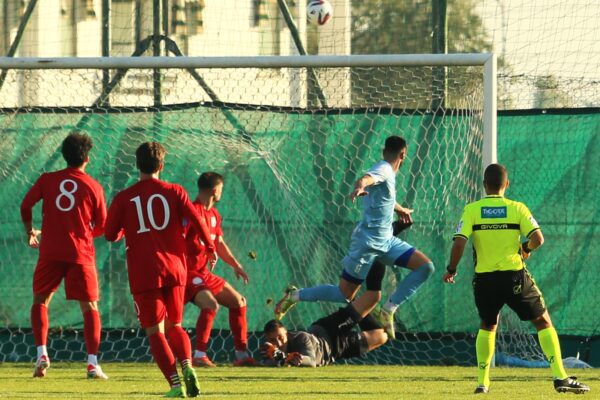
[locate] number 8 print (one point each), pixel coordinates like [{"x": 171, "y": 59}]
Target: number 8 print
[{"x": 68, "y": 194}]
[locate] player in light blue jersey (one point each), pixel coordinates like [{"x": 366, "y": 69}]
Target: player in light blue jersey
[{"x": 373, "y": 240}]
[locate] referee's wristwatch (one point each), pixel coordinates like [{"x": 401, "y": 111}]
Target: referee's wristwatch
[
  {"x": 525, "y": 247},
  {"x": 451, "y": 271}
]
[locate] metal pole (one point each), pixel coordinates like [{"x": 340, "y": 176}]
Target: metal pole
[
  {"x": 165, "y": 19},
  {"x": 105, "y": 42},
  {"x": 370, "y": 60},
  {"x": 138, "y": 22},
  {"x": 73, "y": 22},
  {"x": 490, "y": 93},
  {"x": 5, "y": 30},
  {"x": 300, "y": 46},
  {"x": 15, "y": 44},
  {"x": 439, "y": 45},
  {"x": 156, "y": 49}
]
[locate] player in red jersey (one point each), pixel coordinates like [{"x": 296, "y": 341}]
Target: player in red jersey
[
  {"x": 73, "y": 213},
  {"x": 207, "y": 290},
  {"x": 150, "y": 214}
]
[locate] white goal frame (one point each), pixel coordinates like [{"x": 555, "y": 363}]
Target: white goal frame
[{"x": 487, "y": 60}]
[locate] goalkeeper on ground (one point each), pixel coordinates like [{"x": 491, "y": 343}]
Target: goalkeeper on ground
[{"x": 327, "y": 339}]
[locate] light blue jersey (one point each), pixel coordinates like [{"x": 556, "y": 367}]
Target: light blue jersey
[
  {"x": 378, "y": 206},
  {"x": 373, "y": 236}
]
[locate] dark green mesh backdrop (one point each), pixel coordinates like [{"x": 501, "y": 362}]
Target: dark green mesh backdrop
[{"x": 285, "y": 198}]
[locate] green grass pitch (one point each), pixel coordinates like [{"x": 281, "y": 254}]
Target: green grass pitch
[{"x": 144, "y": 381}]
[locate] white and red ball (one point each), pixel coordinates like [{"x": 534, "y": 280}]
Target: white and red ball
[{"x": 319, "y": 12}]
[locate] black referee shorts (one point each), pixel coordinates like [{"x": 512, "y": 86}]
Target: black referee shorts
[{"x": 517, "y": 289}]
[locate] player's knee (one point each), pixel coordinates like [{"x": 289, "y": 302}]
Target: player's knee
[
  {"x": 213, "y": 306},
  {"x": 86, "y": 306},
  {"x": 374, "y": 295},
  {"x": 382, "y": 338},
  {"x": 241, "y": 301},
  {"x": 428, "y": 268},
  {"x": 209, "y": 304},
  {"x": 348, "y": 289}
]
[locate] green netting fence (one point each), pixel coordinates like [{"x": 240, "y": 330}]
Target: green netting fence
[{"x": 291, "y": 164}]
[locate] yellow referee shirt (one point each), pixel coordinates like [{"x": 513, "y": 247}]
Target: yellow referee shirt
[{"x": 496, "y": 224}]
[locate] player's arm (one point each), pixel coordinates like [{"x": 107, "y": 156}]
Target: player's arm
[
  {"x": 304, "y": 354},
  {"x": 404, "y": 214},
  {"x": 99, "y": 215},
  {"x": 189, "y": 212},
  {"x": 300, "y": 360},
  {"x": 33, "y": 196},
  {"x": 463, "y": 231},
  {"x": 456, "y": 253},
  {"x": 226, "y": 255},
  {"x": 361, "y": 185},
  {"x": 531, "y": 230},
  {"x": 113, "y": 229}
]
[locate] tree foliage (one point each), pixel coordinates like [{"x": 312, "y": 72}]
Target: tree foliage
[
  {"x": 406, "y": 27},
  {"x": 392, "y": 26}
]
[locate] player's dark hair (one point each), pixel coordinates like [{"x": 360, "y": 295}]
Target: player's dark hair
[
  {"x": 75, "y": 149},
  {"x": 149, "y": 157},
  {"x": 272, "y": 326},
  {"x": 495, "y": 176},
  {"x": 209, "y": 180},
  {"x": 394, "y": 145}
]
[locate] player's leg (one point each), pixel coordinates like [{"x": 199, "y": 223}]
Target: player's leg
[
  {"x": 178, "y": 338},
  {"x": 92, "y": 328},
  {"x": 236, "y": 303},
  {"x": 529, "y": 304},
  {"x": 490, "y": 293},
  {"x": 205, "y": 300},
  {"x": 151, "y": 311},
  {"x": 356, "y": 265},
  {"x": 339, "y": 293},
  {"x": 365, "y": 304},
  {"x": 355, "y": 344},
  {"x": 404, "y": 255},
  {"x": 343, "y": 320},
  {"x": 375, "y": 338},
  {"x": 46, "y": 279},
  {"x": 39, "y": 326},
  {"x": 81, "y": 284}
]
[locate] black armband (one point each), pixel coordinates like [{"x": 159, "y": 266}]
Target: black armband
[
  {"x": 451, "y": 271},
  {"x": 525, "y": 247}
]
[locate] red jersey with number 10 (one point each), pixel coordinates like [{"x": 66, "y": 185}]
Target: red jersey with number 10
[
  {"x": 73, "y": 213},
  {"x": 150, "y": 214}
]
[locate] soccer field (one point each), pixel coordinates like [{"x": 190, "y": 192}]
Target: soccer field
[{"x": 143, "y": 381}]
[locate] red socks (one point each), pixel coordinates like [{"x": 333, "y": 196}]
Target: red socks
[
  {"x": 163, "y": 356},
  {"x": 203, "y": 327},
  {"x": 39, "y": 324},
  {"x": 180, "y": 343},
  {"x": 239, "y": 328},
  {"x": 91, "y": 331}
]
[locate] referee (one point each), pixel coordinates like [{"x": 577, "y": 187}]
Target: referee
[{"x": 496, "y": 225}]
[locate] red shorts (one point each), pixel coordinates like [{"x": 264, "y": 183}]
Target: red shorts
[
  {"x": 81, "y": 281},
  {"x": 202, "y": 280},
  {"x": 154, "y": 306}
]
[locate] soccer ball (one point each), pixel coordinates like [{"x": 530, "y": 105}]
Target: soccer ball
[{"x": 319, "y": 11}]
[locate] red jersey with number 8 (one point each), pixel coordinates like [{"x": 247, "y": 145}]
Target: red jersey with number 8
[
  {"x": 73, "y": 213},
  {"x": 151, "y": 214}
]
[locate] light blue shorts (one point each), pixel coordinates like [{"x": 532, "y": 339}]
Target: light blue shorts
[{"x": 360, "y": 257}]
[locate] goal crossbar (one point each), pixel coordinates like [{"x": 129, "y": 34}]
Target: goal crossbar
[{"x": 487, "y": 60}]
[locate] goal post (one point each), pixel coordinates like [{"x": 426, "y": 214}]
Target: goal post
[
  {"x": 487, "y": 60},
  {"x": 289, "y": 164}
]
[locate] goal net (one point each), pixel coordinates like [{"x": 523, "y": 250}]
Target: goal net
[{"x": 290, "y": 140}]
